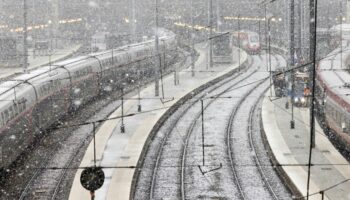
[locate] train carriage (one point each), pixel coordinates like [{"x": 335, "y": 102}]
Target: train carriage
[{"x": 35, "y": 101}]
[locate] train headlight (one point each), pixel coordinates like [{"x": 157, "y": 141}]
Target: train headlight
[
  {"x": 303, "y": 100},
  {"x": 296, "y": 99}
]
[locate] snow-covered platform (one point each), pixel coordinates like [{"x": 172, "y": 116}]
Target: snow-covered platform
[
  {"x": 123, "y": 150},
  {"x": 290, "y": 148}
]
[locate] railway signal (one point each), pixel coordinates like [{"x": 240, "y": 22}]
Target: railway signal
[{"x": 92, "y": 179}]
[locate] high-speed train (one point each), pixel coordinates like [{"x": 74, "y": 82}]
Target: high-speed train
[
  {"x": 333, "y": 96},
  {"x": 32, "y": 102},
  {"x": 247, "y": 40}
]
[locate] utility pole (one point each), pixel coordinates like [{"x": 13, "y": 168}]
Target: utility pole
[
  {"x": 292, "y": 61},
  {"x": 210, "y": 33},
  {"x": 312, "y": 58},
  {"x": 157, "y": 57},
  {"x": 25, "y": 36},
  {"x": 192, "y": 32},
  {"x": 313, "y": 25}
]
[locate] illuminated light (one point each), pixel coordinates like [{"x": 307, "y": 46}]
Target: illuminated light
[
  {"x": 280, "y": 19},
  {"x": 126, "y": 20},
  {"x": 50, "y": 22},
  {"x": 29, "y": 28}
]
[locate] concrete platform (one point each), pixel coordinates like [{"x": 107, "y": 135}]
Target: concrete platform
[
  {"x": 290, "y": 148},
  {"x": 122, "y": 150}
]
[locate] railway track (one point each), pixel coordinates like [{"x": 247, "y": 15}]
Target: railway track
[
  {"x": 163, "y": 143},
  {"x": 176, "y": 153}
]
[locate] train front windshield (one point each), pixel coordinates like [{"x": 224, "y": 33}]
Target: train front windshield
[{"x": 254, "y": 39}]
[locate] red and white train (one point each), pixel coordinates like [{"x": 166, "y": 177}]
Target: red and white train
[
  {"x": 334, "y": 95},
  {"x": 247, "y": 40},
  {"x": 32, "y": 102}
]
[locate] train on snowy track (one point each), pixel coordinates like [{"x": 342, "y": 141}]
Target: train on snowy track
[
  {"x": 225, "y": 42},
  {"x": 32, "y": 102},
  {"x": 333, "y": 99}
]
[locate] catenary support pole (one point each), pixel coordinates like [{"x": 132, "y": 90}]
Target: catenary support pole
[{"x": 313, "y": 26}]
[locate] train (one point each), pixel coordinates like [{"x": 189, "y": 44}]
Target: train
[
  {"x": 32, "y": 102},
  {"x": 301, "y": 93},
  {"x": 333, "y": 102},
  {"x": 224, "y": 42},
  {"x": 247, "y": 40}
]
